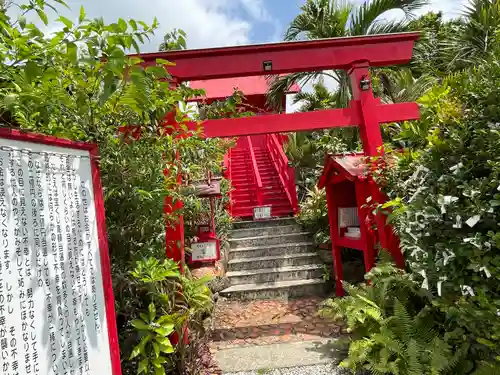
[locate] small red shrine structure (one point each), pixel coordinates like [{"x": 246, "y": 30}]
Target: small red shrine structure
[
  {"x": 348, "y": 188},
  {"x": 207, "y": 247}
]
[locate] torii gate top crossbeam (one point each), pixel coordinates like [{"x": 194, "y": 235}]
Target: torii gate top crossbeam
[{"x": 286, "y": 57}]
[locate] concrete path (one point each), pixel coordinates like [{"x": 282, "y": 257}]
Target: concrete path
[{"x": 265, "y": 358}]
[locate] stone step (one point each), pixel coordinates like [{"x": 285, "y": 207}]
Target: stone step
[
  {"x": 277, "y": 261},
  {"x": 272, "y": 275},
  {"x": 279, "y": 290},
  {"x": 270, "y": 250},
  {"x": 265, "y": 231},
  {"x": 263, "y": 223},
  {"x": 269, "y": 240}
]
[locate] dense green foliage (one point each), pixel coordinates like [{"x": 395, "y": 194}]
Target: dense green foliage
[
  {"x": 78, "y": 83},
  {"x": 441, "y": 315}
]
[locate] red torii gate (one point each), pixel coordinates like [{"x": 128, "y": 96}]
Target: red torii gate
[{"x": 352, "y": 54}]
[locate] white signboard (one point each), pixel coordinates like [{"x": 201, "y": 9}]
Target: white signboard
[
  {"x": 348, "y": 217},
  {"x": 52, "y": 306},
  {"x": 261, "y": 213},
  {"x": 203, "y": 250}
]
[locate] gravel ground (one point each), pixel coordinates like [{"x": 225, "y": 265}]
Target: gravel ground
[{"x": 305, "y": 370}]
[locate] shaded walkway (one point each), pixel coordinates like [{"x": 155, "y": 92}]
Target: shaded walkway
[{"x": 265, "y": 322}]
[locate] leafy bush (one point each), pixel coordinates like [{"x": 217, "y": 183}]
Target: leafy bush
[
  {"x": 60, "y": 85},
  {"x": 313, "y": 215},
  {"x": 393, "y": 329},
  {"x": 444, "y": 193}
]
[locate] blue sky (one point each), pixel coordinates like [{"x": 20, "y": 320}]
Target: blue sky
[{"x": 211, "y": 23}]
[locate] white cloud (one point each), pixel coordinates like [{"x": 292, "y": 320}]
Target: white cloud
[
  {"x": 450, "y": 8},
  {"x": 211, "y": 23}
]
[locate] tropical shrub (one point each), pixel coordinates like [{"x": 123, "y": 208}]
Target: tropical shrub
[
  {"x": 444, "y": 191},
  {"x": 393, "y": 330},
  {"x": 78, "y": 83}
]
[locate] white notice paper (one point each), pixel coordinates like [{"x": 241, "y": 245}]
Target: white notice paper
[
  {"x": 261, "y": 213},
  {"x": 52, "y": 311}
]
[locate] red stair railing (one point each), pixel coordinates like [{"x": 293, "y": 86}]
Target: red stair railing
[
  {"x": 285, "y": 171},
  {"x": 256, "y": 174},
  {"x": 228, "y": 176}
]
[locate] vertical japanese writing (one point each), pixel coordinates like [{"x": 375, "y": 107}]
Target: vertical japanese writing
[
  {"x": 90, "y": 256},
  {"x": 80, "y": 269},
  {"x": 62, "y": 285},
  {"x": 50, "y": 287},
  {"x": 13, "y": 351},
  {"x": 30, "y": 340},
  {"x": 4, "y": 353},
  {"x": 49, "y": 176},
  {"x": 23, "y": 264},
  {"x": 86, "y": 253}
]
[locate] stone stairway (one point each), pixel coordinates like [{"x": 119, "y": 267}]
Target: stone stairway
[{"x": 272, "y": 259}]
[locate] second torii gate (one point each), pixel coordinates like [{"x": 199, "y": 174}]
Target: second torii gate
[{"x": 355, "y": 55}]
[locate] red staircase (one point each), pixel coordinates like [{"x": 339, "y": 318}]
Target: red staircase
[{"x": 261, "y": 176}]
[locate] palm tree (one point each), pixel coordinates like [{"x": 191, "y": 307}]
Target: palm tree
[
  {"x": 320, "y": 97},
  {"x": 173, "y": 41},
  {"x": 338, "y": 18},
  {"x": 401, "y": 85},
  {"x": 478, "y": 37}
]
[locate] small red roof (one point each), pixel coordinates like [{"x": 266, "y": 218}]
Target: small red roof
[
  {"x": 217, "y": 89},
  {"x": 351, "y": 167}
]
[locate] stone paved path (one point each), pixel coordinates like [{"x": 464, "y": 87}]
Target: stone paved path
[{"x": 265, "y": 322}]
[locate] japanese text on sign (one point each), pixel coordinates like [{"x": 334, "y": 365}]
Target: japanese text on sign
[{"x": 52, "y": 310}]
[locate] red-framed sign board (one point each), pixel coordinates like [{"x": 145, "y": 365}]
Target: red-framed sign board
[{"x": 56, "y": 296}]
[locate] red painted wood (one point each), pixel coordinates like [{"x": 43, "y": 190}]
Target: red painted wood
[
  {"x": 255, "y": 170},
  {"x": 307, "y": 121},
  {"x": 286, "y": 57},
  {"x": 362, "y": 193},
  {"x": 285, "y": 172},
  {"x": 220, "y": 89},
  {"x": 334, "y": 235}
]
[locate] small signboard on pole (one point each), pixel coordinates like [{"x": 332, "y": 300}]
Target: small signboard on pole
[
  {"x": 55, "y": 281},
  {"x": 205, "y": 251},
  {"x": 262, "y": 213}
]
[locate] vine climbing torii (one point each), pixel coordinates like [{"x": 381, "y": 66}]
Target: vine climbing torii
[{"x": 355, "y": 55}]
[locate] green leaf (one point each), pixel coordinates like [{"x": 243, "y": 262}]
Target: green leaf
[
  {"x": 139, "y": 348},
  {"x": 164, "y": 62},
  {"x": 66, "y": 22},
  {"x": 486, "y": 342},
  {"x": 143, "y": 365},
  {"x": 9, "y": 99},
  {"x": 140, "y": 325},
  {"x": 165, "y": 330},
  {"x": 22, "y": 22},
  {"x": 122, "y": 25},
  {"x": 82, "y": 14},
  {"x": 31, "y": 70},
  {"x": 167, "y": 348},
  {"x": 152, "y": 311},
  {"x": 159, "y": 370},
  {"x": 72, "y": 51},
  {"x": 133, "y": 24},
  {"x": 156, "y": 348},
  {"x": 43, "y": 16}
]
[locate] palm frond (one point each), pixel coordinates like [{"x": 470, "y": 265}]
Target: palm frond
[
  {"x": 320, "y": 19},
  {"x": 367, "y": 14},
  {"x": 279, "y": 85}
]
